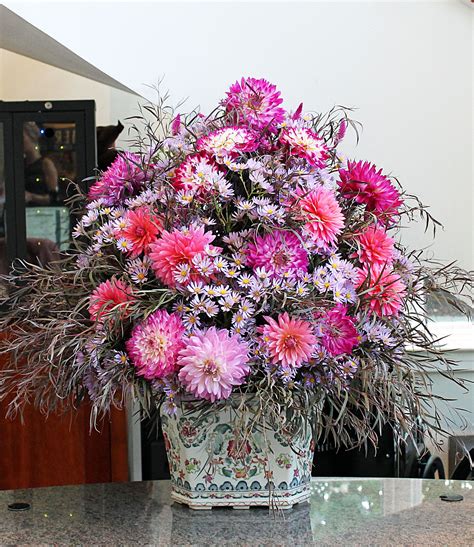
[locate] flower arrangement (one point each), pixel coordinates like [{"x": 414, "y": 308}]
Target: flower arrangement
[{"x": 236, "y": 253}]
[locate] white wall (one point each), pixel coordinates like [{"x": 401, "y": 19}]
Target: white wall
[
  {"x": 407, "y": 66},
  {"x": 24, "y": 79}
]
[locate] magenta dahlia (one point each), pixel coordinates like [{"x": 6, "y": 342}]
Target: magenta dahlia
[
  {"x": 110, "y": 297},
  {"x": 289, "y": 341},
  {"x": 256, "y": 103},
  {"x": 375, "y": 247},
  {"x": 362, "y": 182},
  {"x": 122, "y": 179},
  {"x": 154, "y": 344},
  {"x": 338, "y": 332},
  {"x": 212, "y": 363},
  {"x": 322, "y": 215},
  {"x": 306, "y": 144},
  {"x": 278, "y": 252},
  {"x": 228, "y": 142},
  {"x": 385, "y": 291},
  {"x": 175, "y": 249}
]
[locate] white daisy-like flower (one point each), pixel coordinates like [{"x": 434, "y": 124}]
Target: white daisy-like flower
[
  {"x": 185, "y": 197},
  {"x": 231, "y": 272},
  {"x": 212, "y": 251},
  {"x": 220, "y": 263},
  {"x": 262, "y": 273},
  {"x": 123, "y": 245},
  {"x": 301, "y": 289},
  {"x": 120, "y": 224},
  {"x": 210, "y": 290},
  {"x": 90, "y": 217},
  {"x": 203, "y": 265},
  {"x": 223, "y": 291},
  {"x": 182, "y": 273},
  {"x": 191, "y": 321},
  {"x": 210, "y": 308},
  {"x": 196, "y": 287},
  {"x": 245, "y": 280},
  {"x": 246, "y": 308},
  {"x": 179, "y": 307}
]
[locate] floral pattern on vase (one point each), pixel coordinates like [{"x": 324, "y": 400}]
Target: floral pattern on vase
[{"x": 212, "y": 464}]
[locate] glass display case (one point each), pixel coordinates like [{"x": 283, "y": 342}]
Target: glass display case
[{"x": 45, "y": 148}]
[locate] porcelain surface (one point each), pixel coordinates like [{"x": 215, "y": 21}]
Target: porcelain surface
[
  {"x": 211, "y": 465},
  {"x": 341, "y": 512}
]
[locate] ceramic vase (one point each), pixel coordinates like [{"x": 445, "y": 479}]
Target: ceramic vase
[{"x": 213, "y": 465}]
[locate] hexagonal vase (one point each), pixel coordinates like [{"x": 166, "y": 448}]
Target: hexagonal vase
[{"x": 211, "y": 464}]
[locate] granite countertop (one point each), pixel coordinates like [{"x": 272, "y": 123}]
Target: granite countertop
[{"x": 341, "y": 511}]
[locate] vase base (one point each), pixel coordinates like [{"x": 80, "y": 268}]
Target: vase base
[{"x": 278, "y": 500}]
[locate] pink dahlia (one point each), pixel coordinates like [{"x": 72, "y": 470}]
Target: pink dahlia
[
  {"x": 228, "y": 141},
  {"x": 323, "y": 215},
  {"x": 176, "y": 248},
  {"x": 306, "y": 144},
  {"x": 154, "y": 344},
  {"x": 110, "y": 297},
  {"x": 338, "y": 331},
  {"x": 278, "y": 252},
  {"x": 384, "y": 290},
  {"x": 212, "y": 363},
  {"x": 196, "y": 174},
  {"x": 256, "y": 103},
  {"x": 290, "y": 341},
  {"x": 122, "y": 179},
  {"x": 142, "y": 228},
  {"x": 362, "y": 182},
  {"x": 375, "y": 247}
]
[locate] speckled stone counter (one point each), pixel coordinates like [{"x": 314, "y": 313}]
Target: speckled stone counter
[{"x": 342, "y": 511}]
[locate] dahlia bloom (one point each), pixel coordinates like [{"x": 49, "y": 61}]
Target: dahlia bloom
[
  {"x": 375, "y": 247},
  {"x": 338, "y": 332},
  {"x": 141, "y": 229},
  {"x": 278, "y": 252},
  {"x": 362, "y": 182},
  {"x": 322, "y": 214},
  {"x": 111, "y": 296},
  {"x": 306, "y": 144},
  {"x": 121, "y": 179},
  {"x": 386, "y": 291},
  {"x": 154, "y": 344},
  {"x": 212, "y": 363},
  {"x": 198, "y": 173},
  {"x": 256, "y": 102},
  {"x": 228, "y": 142},
  {"x": 289, "y": 341},
  {"x": 175, "y": 249}
]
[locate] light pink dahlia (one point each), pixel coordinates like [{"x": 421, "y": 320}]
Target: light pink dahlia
[
  {"x": 306, "y": 144},
  {"x": 212, "y": 363},
  {"x": 338, "y": 331},
  {"x": 278, "y": 252},
  {"x": 322, "y": 214},
  {"x": 122, "y": 179},
  {"x": 256, "y": 103},
  {"x": 154, "y": 344},
  {"x": 289, "y": 341},
  {"x": 110, "y": 297},
  {"x": 375, "y": 247},
  {"x": 176, "y": 248},
  {"x": 228, "y": 141},
  {"x": 385, "y": 290},
  {"x": 362, "y": 182},
  {"x": 142, "y": 228}
]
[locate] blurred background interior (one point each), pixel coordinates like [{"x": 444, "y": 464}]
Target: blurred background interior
[{"x": 62, "y": 117}]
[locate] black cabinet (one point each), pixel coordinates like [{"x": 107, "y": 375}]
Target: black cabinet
[{"x": 45, "y": 146}]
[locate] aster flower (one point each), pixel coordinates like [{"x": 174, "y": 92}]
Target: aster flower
[
  {"x": 277, "y": 252},
  {"x": 290, "y": 341},
  {"x": 304, "y": 143},
  {"x": 123, "y": 178},
  {"x": 375, "y": 247},
  {"x": 154, "y": 344},
  {"x": 175, "y": 248},
  {"x": 337, "y": 331},
  {"x": 212, "y": 363},
  {"x": 322, "y": 215},
  {"x": 384, "y": 290},
  {"x": 141, "y": 229},
  {"x": 228, "y": 141},
  {"x": 362, "y": 182},
  {"x": 256, "y": 103},
  {"x": 110, "y": 297}
]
